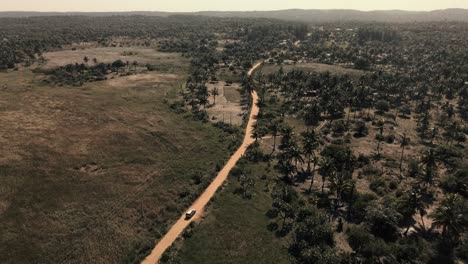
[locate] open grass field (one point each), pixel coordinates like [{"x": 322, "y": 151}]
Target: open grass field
[
  {"x": 235, "y": 229},
  {"x": 95, "y": 174},
  {"x": 142, "y": 55}
]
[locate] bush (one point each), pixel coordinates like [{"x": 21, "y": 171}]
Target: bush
[
  {"x": 413, "y": 168},
  {"x": 363, "y": 160},
  {"x": 383, "y": 218},
  {"x": 450, "y": 156},
  {"x": 379, "y": 137},
  {"x": 150, "y": 67},
  {"x": 390, "y": 139},
  {"x": 456, "y": 183},
  {"x": 360, "y": 129},
  {"x": 360, "y": 204},
  {"x": 405, "y": 109},
  {"x": 338, "y": 128},
  {"x": 382, "y": 106},
  {"x": 393, "y": 185},
  {"x": 118, "y": 64},
  {"x": 379, "y": 186},
  {"x": 371, "y": 170},
  {"x": 358, "y": 237}
]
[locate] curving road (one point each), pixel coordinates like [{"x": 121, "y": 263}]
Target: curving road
[{"x": 206, "y": 196}]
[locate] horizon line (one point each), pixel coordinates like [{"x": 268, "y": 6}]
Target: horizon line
[{"x": 199, "y": 11}]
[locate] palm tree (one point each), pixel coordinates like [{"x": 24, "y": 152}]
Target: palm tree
[
  {"x": 312, "y": 174},
  {"x": 429, "y": 158},
  {"x": 414, "y": 202},
  {"x": 274, "y": 126},
  {"x": 450, "y": 215},
  {"x": 419, "y": 205},
  {"x": 294, "y": 152},
  {"x": 340, "y": 182},
  {"x": 288, "y": 137},
  {"x": 404, "y": 142},
  {"x": 434, "y": 134},
  {"x": 427, "y": 177},
  {"x": 380, "y": 125},
  {"x": 327, "y": 169},
  {"x": 214, "y": 93},
  {"x": 310, "y": 143},
  {"x": 284, "y": 167}
]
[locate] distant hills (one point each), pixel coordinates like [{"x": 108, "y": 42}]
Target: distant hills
[{"x": 312, "y": 16}]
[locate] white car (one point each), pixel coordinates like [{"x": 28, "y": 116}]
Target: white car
[{"x": 190, "y": 213}]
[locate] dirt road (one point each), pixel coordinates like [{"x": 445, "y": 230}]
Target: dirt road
[{"x": 201, "y": 202}]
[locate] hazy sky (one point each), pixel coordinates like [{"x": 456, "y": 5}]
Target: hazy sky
[{"x": 200, "y": 5}]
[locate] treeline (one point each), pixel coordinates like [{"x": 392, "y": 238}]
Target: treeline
[
  {"x": 398, "y": 47},
  {"x": 24, "y": 39},
  {"x": 77, "y": 74}
]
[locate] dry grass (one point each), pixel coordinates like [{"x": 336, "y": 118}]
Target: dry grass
[
  {"x": 95, "y": 174},
  {"x": 110, "y": 54}
]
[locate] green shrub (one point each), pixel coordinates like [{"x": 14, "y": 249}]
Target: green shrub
[
  {"x": 390, "y": 139},
  {"x": 378, "y": 185},
  {"x": 393, "y": 185},
  {"x": 371, "y": 170}
]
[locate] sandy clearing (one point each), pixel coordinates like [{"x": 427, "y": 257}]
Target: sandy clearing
[
  {"x": 203, "y": 200},
  {"x": 228, "y": 107}
]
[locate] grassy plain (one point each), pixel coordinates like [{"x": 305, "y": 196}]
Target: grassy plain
[{"x": 95, "y": 174}]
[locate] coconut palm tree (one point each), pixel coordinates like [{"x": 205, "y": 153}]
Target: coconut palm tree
[
  {"x": 429, "y": 159},
  {"x": 274, "y": 127},
  {"x": 451, "y": 216},
  {"x": 295, "y": 153},
  {"x": 315, "y": 160},
  {"x": 340, "y": 183},
  {"x": 427, "y": 178},
  {"x": 214, "y": 93},
  {"x": 310, "y": 142},
  {"x": 327, "y": 169},
  {"x": 380, "y": 125},
  {"x": 404, "y": 142}
]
